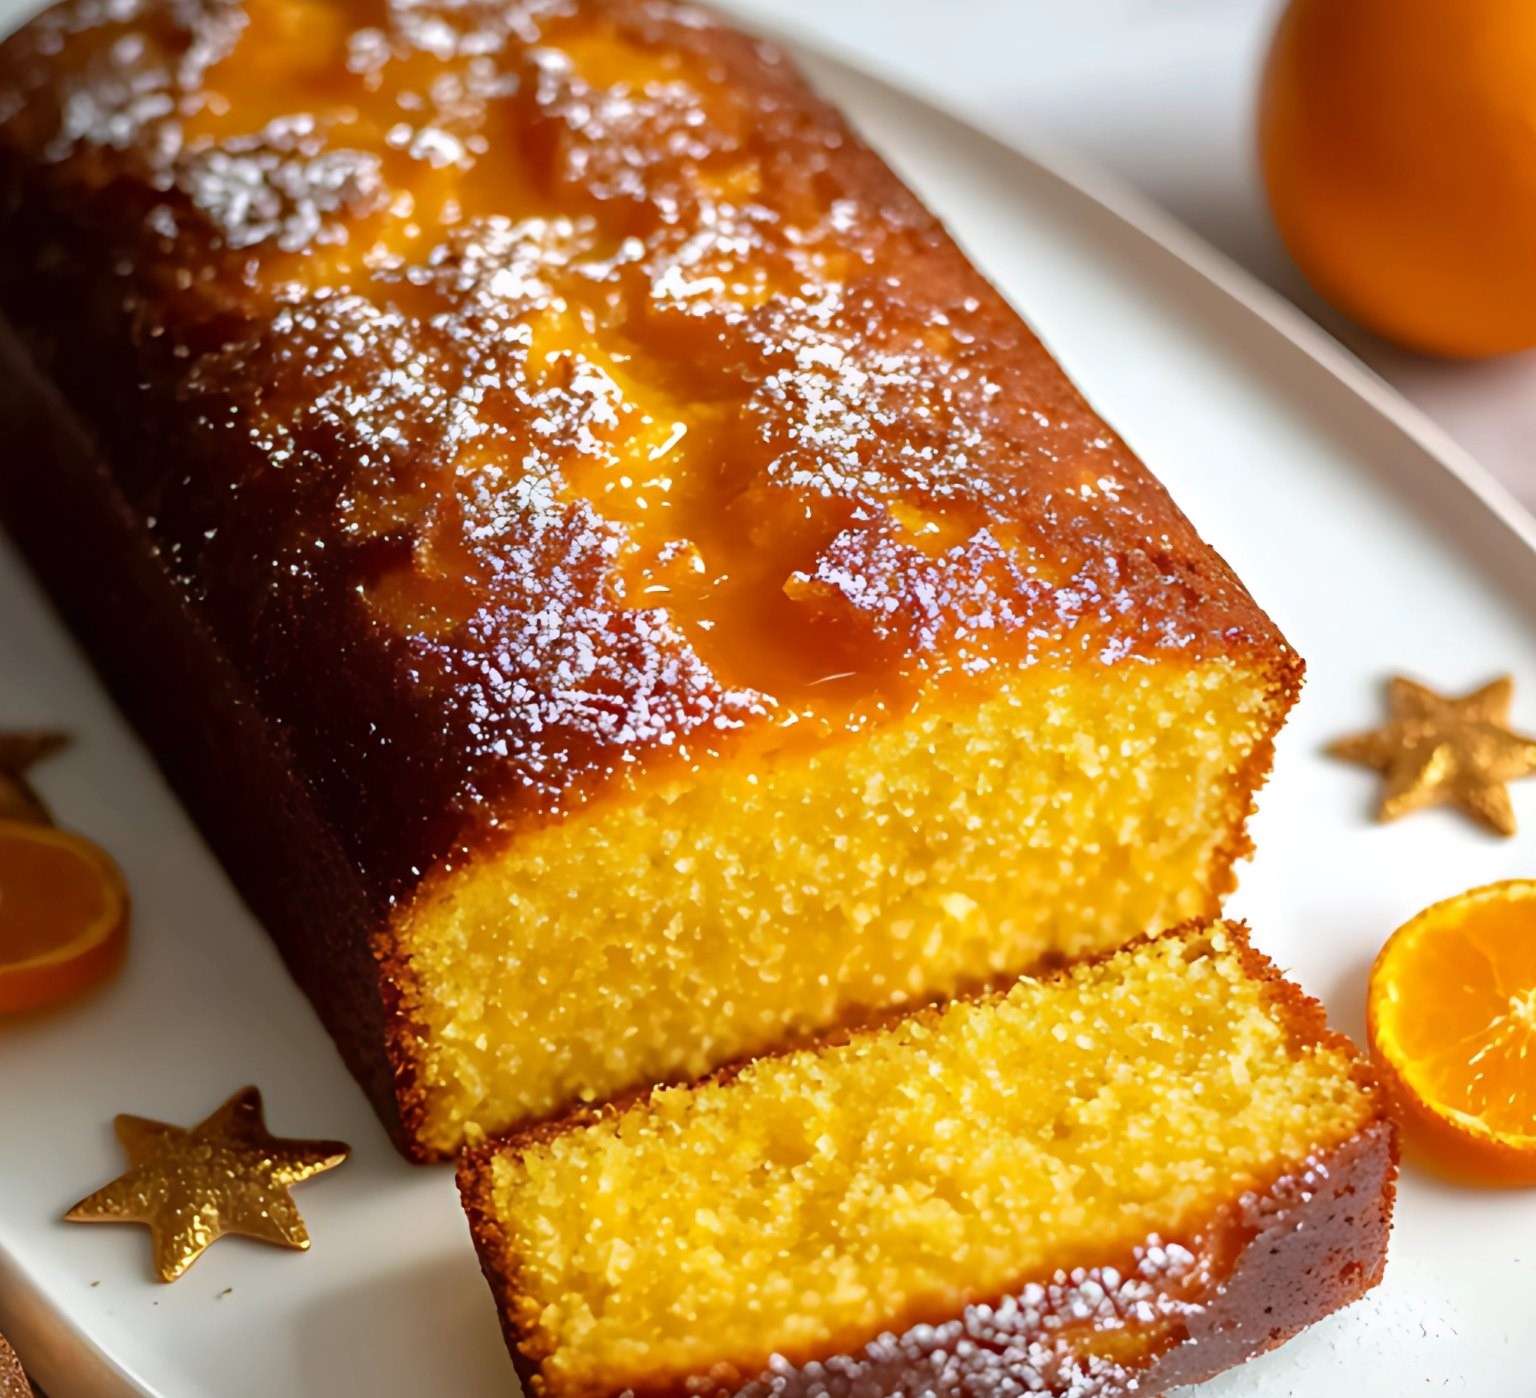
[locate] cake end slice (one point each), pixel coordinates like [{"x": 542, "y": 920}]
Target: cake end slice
[
  {"x": 1120, "y": 1178},
  {"x": 776, "y": 895}
]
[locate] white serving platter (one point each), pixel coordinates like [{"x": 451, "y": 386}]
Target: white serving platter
[{"x": 1376, "y": 545}]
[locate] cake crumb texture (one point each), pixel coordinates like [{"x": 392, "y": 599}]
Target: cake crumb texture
[
  {"x": 1049, "y": 1163},
  {"x": 717, "y": 918},
  {"x": 552, "y": 465}
]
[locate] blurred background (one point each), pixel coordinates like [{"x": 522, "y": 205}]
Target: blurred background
[{"x": 1163, "y": 93}]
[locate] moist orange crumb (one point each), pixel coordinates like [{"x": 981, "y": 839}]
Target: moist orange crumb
[
  {"x": 635, "y": 585},
  {"x": 1093, "y": 1145}
]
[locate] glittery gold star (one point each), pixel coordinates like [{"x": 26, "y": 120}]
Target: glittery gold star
[
  {"x": 1434, "y": 750},
  {"x": 18, "y": 752},
  {"x": 227, "y": 1174}
]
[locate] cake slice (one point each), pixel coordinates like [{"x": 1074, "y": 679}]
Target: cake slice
[
  {"x": 1125, "y": 1176},
  {"x": 617, "y": 588}
]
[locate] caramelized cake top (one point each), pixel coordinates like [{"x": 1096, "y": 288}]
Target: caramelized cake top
[{"x": 523, "y": 391}]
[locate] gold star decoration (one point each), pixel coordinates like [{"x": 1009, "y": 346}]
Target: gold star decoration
[
  {"x": 18, "y": 752},
  {"x": 1434, "y": 750},
  {"x": 227, "y": 1174}
]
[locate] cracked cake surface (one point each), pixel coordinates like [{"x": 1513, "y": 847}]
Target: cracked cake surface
[{"x": 582, "y": 485}]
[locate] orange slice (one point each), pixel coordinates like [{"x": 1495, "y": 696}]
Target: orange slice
[
  {"x": 63, "y": 915},
  {"x": 1452, "y": 1020}
]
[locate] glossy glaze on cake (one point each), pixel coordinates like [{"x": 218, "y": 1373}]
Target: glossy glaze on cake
[
  {"x": 498, "y": 416},
  {"x": 1127, "y": 1177}
]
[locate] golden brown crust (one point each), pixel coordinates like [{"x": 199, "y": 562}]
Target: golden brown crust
[
  {"x": 1262, "y": 1268},
  {"x": 279, "y": 266},
  {"x": 289, "y": 532},
  {"x": 173, "y": 681},
  {"x": 1256, "y": 1274},
  {"x": 498, "y": 1261}
]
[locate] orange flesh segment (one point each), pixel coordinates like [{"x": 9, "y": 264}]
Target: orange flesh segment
[
  {"x": 63, "y": 915},
  {"x": 1453, "y": 1019}
]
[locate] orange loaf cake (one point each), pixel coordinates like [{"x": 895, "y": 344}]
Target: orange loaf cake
[
  {"x": 616, "y": 587},
  {"x": 1127, "y": 1176}
]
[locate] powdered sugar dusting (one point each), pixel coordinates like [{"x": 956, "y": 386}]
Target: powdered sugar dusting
[
  {"x": 571, "y": 366},
  {"x": 1040, "y": 1340},
  {"x": 255, "y": 193},
  {"x": 448, "y": 439}
]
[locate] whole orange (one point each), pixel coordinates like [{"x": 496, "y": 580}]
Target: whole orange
[{"x": 1398, "y": 143}]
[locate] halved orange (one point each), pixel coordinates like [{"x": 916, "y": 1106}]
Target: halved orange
[
  {"x": 1452, "y": 1022},
  {"x": 63, "y": 915}
]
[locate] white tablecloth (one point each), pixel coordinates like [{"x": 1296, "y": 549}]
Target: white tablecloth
[{"x": 1161, "y": 93}]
